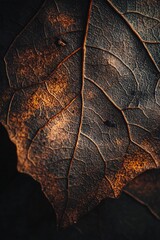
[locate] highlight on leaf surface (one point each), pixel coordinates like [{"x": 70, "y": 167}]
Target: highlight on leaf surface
[{"x": 82, "y": 101}]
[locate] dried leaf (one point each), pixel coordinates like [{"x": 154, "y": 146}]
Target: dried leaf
[
  {"x": 146, "y": 190},
  {"x": 82, "y": 103}
]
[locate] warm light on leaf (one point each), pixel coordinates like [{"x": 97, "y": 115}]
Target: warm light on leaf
[{"x": 82, "y": 102}]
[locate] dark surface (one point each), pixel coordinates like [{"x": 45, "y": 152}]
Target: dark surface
[
  {"x": 24, "y": 211},
  {"x": 58, "y": 99}
]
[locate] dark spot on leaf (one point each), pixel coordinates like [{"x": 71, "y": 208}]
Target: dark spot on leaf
[
  {"x": 156, "y": 133},
  {"x": 108, "y": 123},
  {"x": 60, "y": 42},
  {"x": 133, "y": 93}
]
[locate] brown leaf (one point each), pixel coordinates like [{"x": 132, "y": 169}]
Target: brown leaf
[
  {"x": 81, "y": 103},
  {"x": 146, "y": 190}
]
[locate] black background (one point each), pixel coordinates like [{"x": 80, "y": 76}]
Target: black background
[{"x": 25, "y": 213}]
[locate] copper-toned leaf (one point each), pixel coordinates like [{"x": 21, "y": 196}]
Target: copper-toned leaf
[
  {"x": 146, "y": 190},
  {"x": 81, "y": 103}
]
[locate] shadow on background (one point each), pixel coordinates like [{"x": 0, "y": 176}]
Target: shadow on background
[
  {"x": 25, "y": 213},
  {"x": 8, "y": 159}
]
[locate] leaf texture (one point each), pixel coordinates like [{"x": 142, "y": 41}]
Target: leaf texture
[
  {"x": 145, "y": 189},
  {"x": 144, "y": 17},
  {"x": 82, "y": 103}
]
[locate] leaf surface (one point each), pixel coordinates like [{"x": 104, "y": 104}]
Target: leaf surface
[
  {"x": 146, "y": 190},
  {"x": 81, "y": 104}
]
